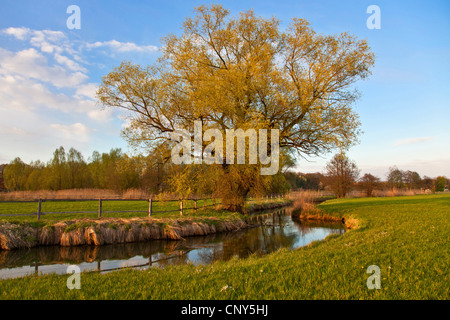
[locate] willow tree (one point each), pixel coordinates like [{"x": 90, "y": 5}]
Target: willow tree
[{"x": 244, "y": 72}]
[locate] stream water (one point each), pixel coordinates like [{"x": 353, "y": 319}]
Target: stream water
[{"x": 270, "y": 231}]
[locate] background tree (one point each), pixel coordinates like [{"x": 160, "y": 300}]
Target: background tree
[
  {"x": 314, "y": 181},
  {"x": 341, "y": 174},
  {"x": 441, "y": 183},
  {"x": 2, "y": 181},
  {"x": 244, "y": 72},
  {"x": 369, "y": 182},
  {"x": 58, "y": 170},
  {"x": 395, "y": 178},
  {"x": 294, "y": 179},
  {"x": 15, "y": 175},
  {"x": 429, "y": 183},
  {"x": 36, "y": 180},
  {"x": 309, "y": 181},
  {"x": 77, "y": 170},
  {"x": 412, "y": 179}
]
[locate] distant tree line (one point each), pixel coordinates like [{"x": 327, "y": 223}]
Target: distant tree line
[
  {"x": 154, "y": 173},
  {"x": 115, "y": 170},
  {"x": 69, "y": 170},
  {"x": 342, "y": 175},
  {"x": 400, "y": 179}
]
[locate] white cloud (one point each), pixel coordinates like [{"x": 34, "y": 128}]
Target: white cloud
[
  {"x": 30, "y": 63},
  {"x": 19, "y": 33},
  {"x": 76, "y": 132},
  {"x": 69, "y": 63},
  {"x": 122, "y": 46},
  {"x": 46, "y": 98},
  {"x": 87, "y": 90},
  {"x": 412, "y": 141},
  {"x": 100, "y": 115},
  {"x": 50, "y": 41},
  {"x": 47, "y": 41}
]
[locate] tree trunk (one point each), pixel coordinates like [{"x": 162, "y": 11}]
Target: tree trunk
[
  {"x": 234, "y": 200},
  {"x": 233, "y": 188}
]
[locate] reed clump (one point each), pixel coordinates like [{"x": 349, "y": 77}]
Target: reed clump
[{"x": 97, "y": 232}]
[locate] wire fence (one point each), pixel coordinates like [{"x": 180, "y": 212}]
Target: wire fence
[{"x": 181, "y": 208}]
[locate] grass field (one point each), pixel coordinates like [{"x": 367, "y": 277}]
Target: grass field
[
  {"x": 407, "y": 237},
  {"x": 68, "y": 206}
]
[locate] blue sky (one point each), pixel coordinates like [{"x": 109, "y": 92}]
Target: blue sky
[{"x": 48, "y": 74}]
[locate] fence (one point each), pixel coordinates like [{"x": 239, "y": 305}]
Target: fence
[{"x": 100, "y": 210}]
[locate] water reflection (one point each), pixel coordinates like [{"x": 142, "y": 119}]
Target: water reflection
[{"x": 270, "y": 231}]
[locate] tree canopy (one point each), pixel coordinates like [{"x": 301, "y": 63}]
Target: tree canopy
[{"x": 244, "y": 72}]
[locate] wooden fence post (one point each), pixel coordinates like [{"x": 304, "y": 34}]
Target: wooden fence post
[
  {"x": 100, "y": 208},
  {"x": 181, "y": 207},
  {"x": 39, "y": 209},
  {"x": 195, "y": 205},
  {"x": 150, "y": 202}
]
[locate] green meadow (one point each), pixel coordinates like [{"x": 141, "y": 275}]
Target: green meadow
[
  {"x": 160, "y": 209},
  {"x": 408, "y": 238},
  {"x": 171, "y": 208}
]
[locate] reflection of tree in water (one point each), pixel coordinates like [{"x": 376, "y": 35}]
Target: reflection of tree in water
[
  {"x": 47, "y": 255},
  {"x": 305, "y": 227},
  {"x": 178, "y": 254},
  {"x": 76, "y": 255},
  {"x": 173, "y": 258},
  {"x": 271, "y": 232},
  {"x": 268, "y": 234}
]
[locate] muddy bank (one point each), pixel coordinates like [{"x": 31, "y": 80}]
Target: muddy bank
[{"x": 98, "y": 232}]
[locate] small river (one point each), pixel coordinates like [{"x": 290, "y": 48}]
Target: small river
[{"x": 270, "y": 231}]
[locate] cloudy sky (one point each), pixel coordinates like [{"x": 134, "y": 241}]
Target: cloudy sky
[{"x": 49, "y": 74}]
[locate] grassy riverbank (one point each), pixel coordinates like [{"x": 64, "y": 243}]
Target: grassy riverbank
[
  {"x": 116, "y": 230},
  {"x": 407, "y": 237}
]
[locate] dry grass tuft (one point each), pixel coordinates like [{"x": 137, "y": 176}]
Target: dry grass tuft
[
  {"x": 135, "y": 194},
  {"x": 96, "y": 232},
  {"x": 303, "y": 201}
]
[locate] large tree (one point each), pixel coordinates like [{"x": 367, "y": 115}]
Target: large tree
[{"x": 244, "y": 72}]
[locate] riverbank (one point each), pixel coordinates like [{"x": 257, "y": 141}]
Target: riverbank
[
  {"x": 406, "y": 237},
  {"x": 104, "y": 231}
]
